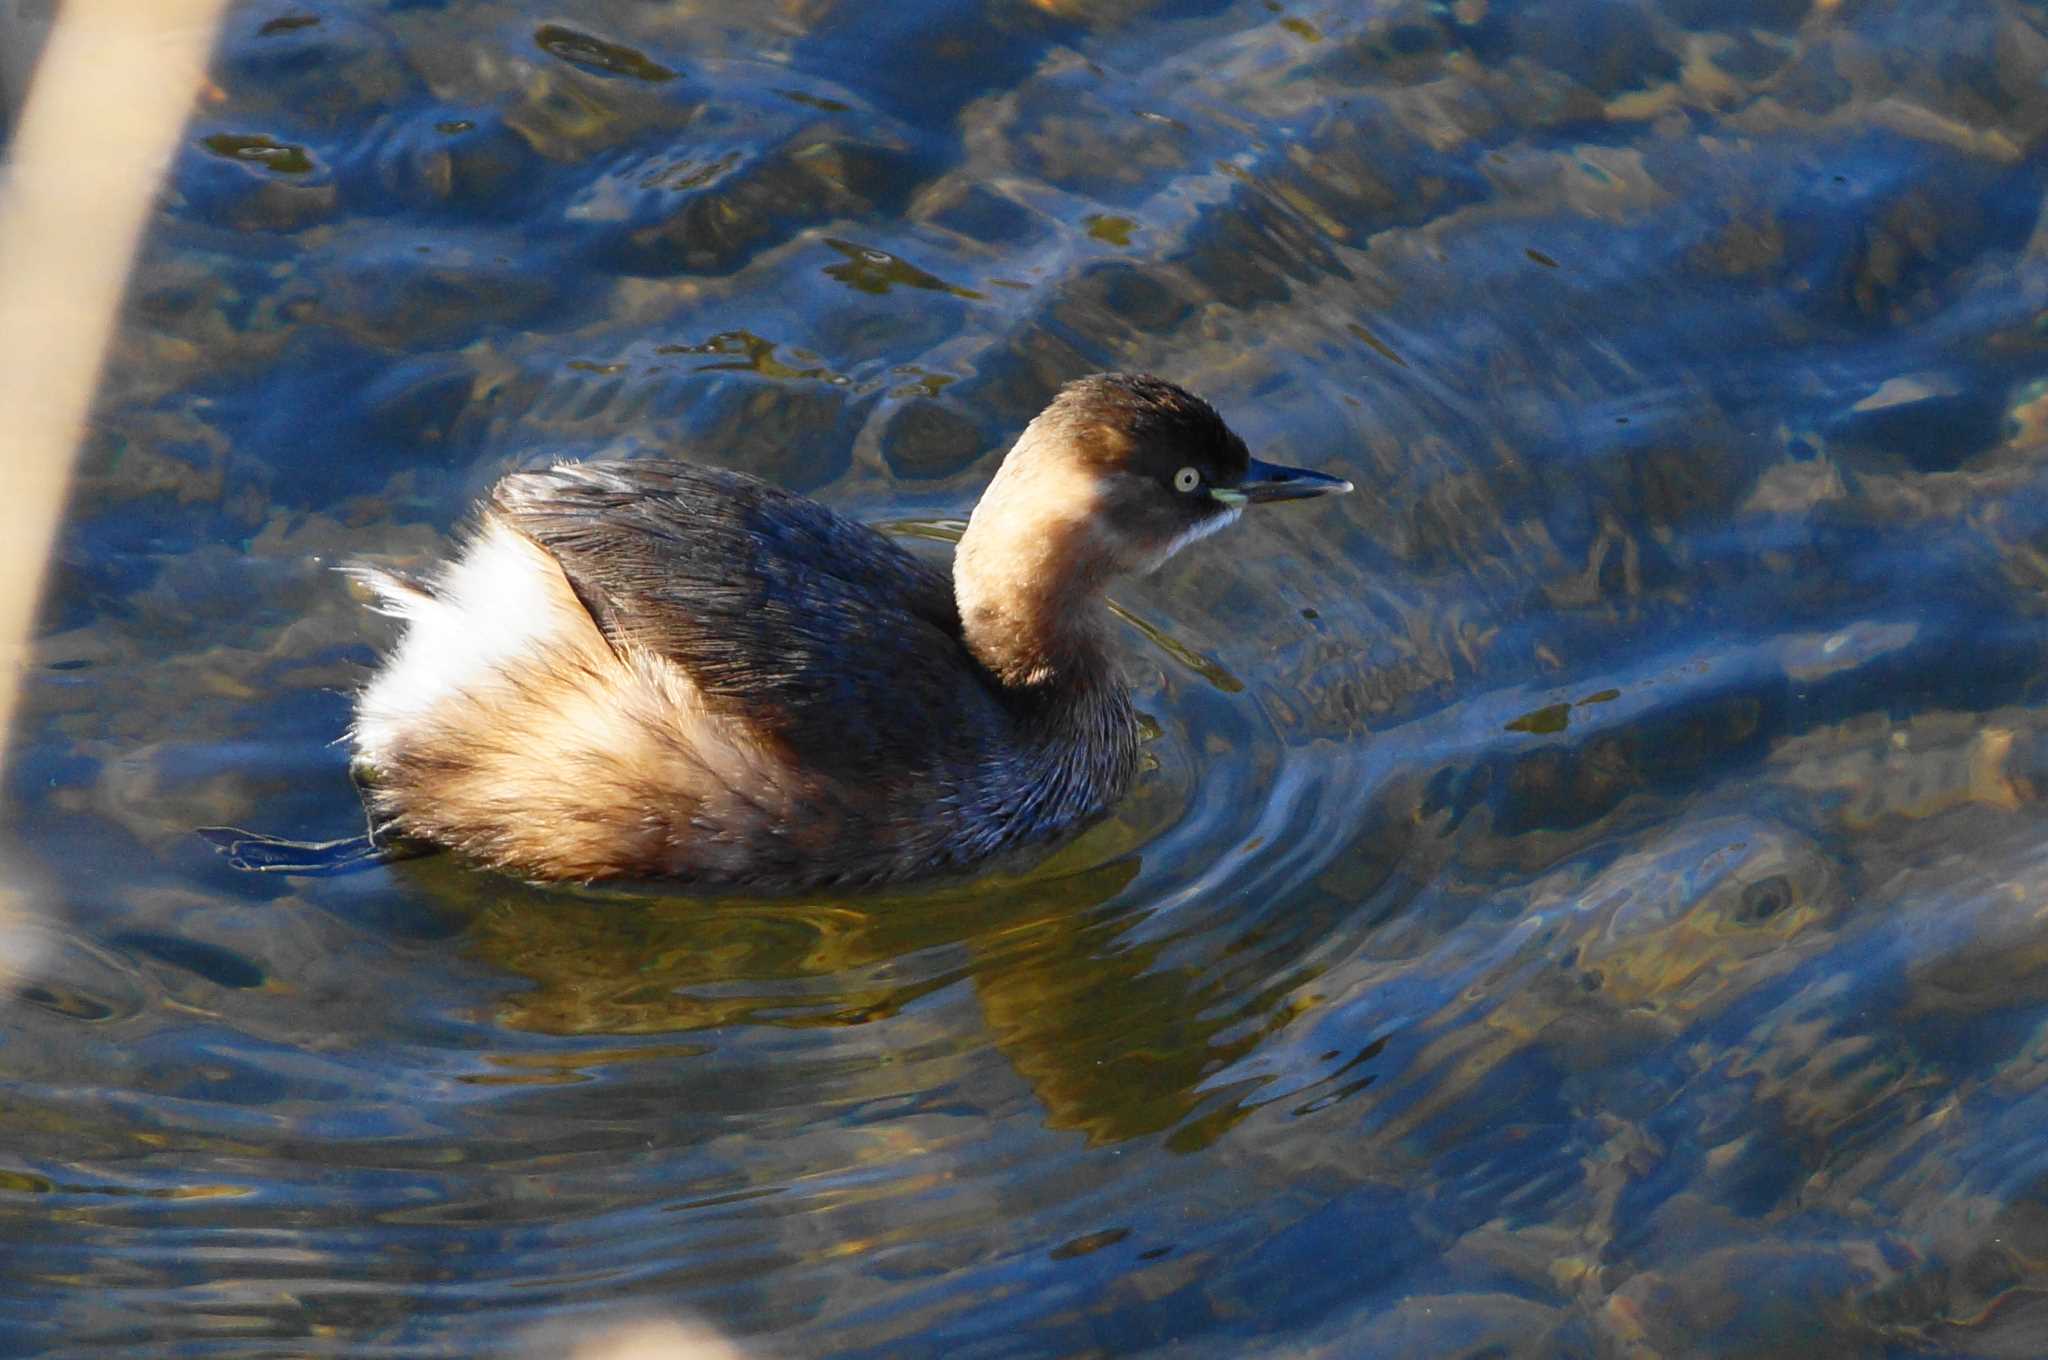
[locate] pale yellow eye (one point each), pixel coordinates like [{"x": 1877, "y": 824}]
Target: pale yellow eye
[{"x": 1187, "y": 479}]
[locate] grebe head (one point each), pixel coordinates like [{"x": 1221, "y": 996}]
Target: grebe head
[{"x": 1119, "y": 473}]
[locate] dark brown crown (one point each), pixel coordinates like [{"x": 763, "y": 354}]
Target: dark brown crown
[{"x": 1163, "y": 428}]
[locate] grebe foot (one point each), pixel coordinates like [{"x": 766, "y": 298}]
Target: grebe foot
[{"x": 253, "y": 852}]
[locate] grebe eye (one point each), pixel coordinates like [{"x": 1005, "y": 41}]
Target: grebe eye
[{"x": 1187, "y": 479}]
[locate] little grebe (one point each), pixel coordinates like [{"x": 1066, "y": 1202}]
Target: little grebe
[{"x": 653, "y": 669}]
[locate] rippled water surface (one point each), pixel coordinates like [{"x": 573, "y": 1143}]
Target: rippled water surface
[{"x": 1587, "y": 896}]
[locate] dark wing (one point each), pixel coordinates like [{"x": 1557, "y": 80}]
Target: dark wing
[{"x": 803, "y": 623}]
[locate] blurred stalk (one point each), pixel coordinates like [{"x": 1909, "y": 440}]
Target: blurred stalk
[{"x": 107, "y": 105}]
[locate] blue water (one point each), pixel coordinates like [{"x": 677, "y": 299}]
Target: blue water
[{"x": 1585, "y": 897}]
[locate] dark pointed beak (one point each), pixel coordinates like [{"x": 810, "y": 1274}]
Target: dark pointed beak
[{"x": 1271, "y": 482}]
